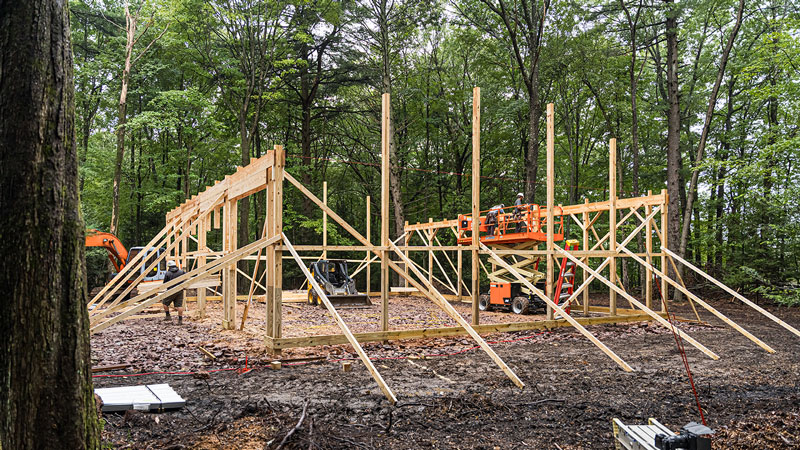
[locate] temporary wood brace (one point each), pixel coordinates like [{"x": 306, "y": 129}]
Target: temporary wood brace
[
  {"x": 732, "y": 292},
  {"x": 640, "y": 305},
  {"x": 352, "y": 340},
  {"x": 563, "y": 314}
]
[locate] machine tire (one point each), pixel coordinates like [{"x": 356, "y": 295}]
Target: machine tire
[
  {"x": 519, "y": 305},
  {"x": 483, "y": 303}
]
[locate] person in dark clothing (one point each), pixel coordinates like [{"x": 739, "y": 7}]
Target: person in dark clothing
[
  {"x": 177, "y": 298},
  {"x": 518, "y": 212},
  {"x": 491, "y": 218}
]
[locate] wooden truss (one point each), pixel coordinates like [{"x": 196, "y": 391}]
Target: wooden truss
[{"x": 605, "y": 230}]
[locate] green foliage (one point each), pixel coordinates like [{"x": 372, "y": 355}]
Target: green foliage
[{"x": 308, "y": 75}]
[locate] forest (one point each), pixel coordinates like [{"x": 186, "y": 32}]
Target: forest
[{"x": 702, "y": 97}]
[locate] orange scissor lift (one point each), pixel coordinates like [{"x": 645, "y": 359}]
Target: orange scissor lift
[{"x": 523, "y": 227}]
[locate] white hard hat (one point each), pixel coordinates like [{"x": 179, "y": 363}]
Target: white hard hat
[
  {"x": 171, "y": 263},
  {"x": 520, "y": 195}
]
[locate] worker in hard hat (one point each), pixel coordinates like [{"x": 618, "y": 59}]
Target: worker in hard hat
[
  {"x": 492, "y": 216},
  {"x": 518, "y": 209}
]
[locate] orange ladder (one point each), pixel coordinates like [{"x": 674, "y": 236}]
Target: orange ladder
[{"x": 566, "y": 277}]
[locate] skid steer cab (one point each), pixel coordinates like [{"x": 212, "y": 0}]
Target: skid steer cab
[
  {"x": 511, "y": 296},
  {"x": 332, "y": 277}
]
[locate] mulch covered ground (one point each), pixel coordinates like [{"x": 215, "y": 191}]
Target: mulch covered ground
[{"x": 449, "y": 394}]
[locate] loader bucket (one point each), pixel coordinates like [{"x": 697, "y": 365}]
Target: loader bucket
[{"x": 339, "y": 301}]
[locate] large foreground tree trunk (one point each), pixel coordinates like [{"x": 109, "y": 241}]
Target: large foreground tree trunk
[{"x": 46, "y": 398}]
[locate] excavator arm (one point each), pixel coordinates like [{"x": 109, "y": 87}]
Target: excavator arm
[{"x": 117, "y": 252}]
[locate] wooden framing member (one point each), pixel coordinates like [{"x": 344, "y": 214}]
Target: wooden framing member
[
  {"x": 276, "y": 311},
  {"x": 612, "y": 222},
  {"x": 429, "y": 291},
  {"x": 697, "y": 299},
  {"x": 350, "y": 338},
  {"x": 640, "y": 305},
  {"x": 385, "y": 137},
  {"x": 229, "y": 276},
  {"x": 141, "y": 301},
  {"x": 367, "y": 255},
  {"x": 563, "y": 314},
  {"x": 648, "y": 246},
  {"x": 476, "y": 201},
  {"x": 731, "y": 291},
  {"x": 551, "y": 176},
  {"x": 378, "y": 336}
]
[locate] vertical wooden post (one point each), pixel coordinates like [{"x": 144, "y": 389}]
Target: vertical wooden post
[
  {"x": 476, "y": 199},
  {"x": 269, "y": 267},
  {"x": 664, "y": 243},
  {"x": 648, "y": 245},
  {"x": 201, "y": 261},
  {"x": 612, "y": 223},
  {"x": 184, "y": 243},
  {"x": 386, "y": 110},
  {"x": 459, "y": 278},
  {"x": 369, "y": 241},
  {"x": 429, "y": 233},
  {"x": 551, "y": 203},
  {"x": 586, "y": 248},
  {"x": 324, "y": 221},
  {"x": 277, "y": 226},
  {"x": 229, "y": 273},
  {"x": 405, "y": 266}
]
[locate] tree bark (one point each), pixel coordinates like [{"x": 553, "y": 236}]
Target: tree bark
[
  {"x": 46, "y": 399},
  {"x": 673, "y": 129},
  {"x": 712, "y": 102},
  {"x": 130, "y": 32}
]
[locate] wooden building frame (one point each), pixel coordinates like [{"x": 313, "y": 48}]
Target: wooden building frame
[{"x": 184, "y": 239}]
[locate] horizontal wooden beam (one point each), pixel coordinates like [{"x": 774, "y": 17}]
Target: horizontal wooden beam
[{"x": 377, "y": 336}]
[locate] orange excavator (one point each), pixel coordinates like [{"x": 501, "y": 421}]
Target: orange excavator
[
  {"x": 116, "y": 251},
  {"x": 119, "y": 256}
]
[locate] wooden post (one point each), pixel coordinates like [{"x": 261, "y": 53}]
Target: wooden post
[
  {"x": 229, "y": 274},
  {"x": 369, "y": 239},
  {"x": 551, "y": 203},
  {"x": 385, "y": 115},
  {"x": 429, "y": 234},
  {"x": 612, "y": 222},
  {"x": 460, "y": 279},
  {"x": 476, "y": 199},
  {"x": 201, "y": 261},
  {"x": 405, "y": 268},
  {"x": 664, "y": 244},
  {"x": 270, "y": 265},
  {"x": 277, "y": 226},
  {"x": 324, "y": 221},
  {"x": 648, "y": 245},
  {"x": 586, "y": 248}
]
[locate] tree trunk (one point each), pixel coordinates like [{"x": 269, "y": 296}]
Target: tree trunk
[
  {"x": 673, "y": 130},
  {"x": 46, "y": 396},
  {"x": 532, "y": 157},
  {"x": 687, "y": 215},
  {"x": 130, "y": 30}
]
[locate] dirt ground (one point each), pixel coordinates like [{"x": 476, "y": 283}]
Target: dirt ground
[{"x": 451, "y": 395}]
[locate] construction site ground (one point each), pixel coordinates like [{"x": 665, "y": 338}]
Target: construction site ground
[{"x": 450, "y": 395}]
